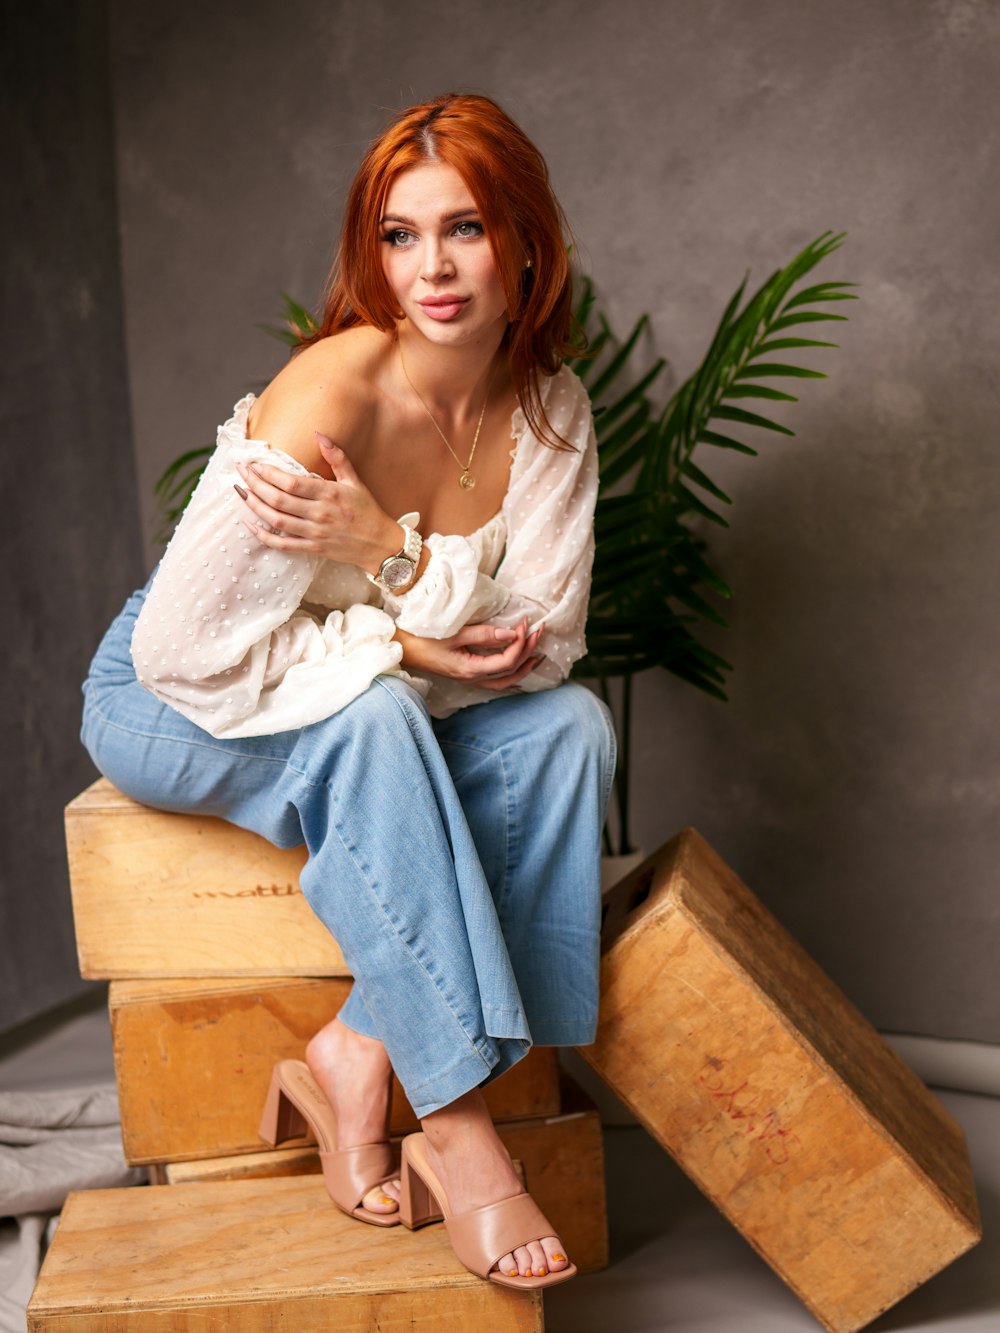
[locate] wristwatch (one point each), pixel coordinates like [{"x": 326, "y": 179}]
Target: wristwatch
[{"x": 397, "y": 572}]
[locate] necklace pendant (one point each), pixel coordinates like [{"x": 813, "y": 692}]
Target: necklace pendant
[{"x": 467, "y": 480}]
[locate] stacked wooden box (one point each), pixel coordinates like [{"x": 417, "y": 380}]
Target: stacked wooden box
[
  {"x": 727, "y": 1041},
  {"x": 219, "y": 968}
]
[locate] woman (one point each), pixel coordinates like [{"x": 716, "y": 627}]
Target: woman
[{"x": 306, "y": 665}]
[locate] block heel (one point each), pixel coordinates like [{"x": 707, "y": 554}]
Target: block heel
[
  {"x": 281, "y": 1119},
  {"x": 417, "y": 1205},
  {"x": 296, "y": 1108}
]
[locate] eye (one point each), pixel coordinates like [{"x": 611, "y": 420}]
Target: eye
[
  {"x": 468, "y": 230},
  {"x": 397, "y": 237}
]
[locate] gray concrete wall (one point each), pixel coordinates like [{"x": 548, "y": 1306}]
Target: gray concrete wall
[
  {"x": 854, "y": 778},
  {"x": 71, "y": 536}
]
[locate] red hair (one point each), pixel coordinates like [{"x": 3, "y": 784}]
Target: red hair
[{"x": 523, "y": 221}]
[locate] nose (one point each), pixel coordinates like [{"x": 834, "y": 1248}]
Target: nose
[{"x": 436, "y": 260}]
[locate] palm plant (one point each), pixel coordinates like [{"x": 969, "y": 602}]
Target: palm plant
[
  {"x": 653, "y": 583},
  {"x": 652, "y": 580}
]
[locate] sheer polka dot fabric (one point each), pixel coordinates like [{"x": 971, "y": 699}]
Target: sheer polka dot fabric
[{"x": 246, "y": 641}]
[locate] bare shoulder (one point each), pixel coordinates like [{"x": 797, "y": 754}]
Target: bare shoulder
[{"x": 327, "y": 387}]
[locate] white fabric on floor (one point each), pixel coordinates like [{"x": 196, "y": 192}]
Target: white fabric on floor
[{"x": 50, "y": 1143}]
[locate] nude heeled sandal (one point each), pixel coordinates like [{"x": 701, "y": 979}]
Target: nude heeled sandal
[
  {"x": 295, "y": 1106},
  {"x": 481, "y": 1236}
]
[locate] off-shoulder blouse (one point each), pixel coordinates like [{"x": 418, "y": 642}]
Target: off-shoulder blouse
[{"x": 248, "y": 641}]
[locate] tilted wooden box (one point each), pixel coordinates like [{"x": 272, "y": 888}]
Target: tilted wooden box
[
  {"x": 774, "y": 1094},
  {"x": 256, "y": 1255},
  {"x": 168, "y": 895},
  {"x": 562, "y": 1156},
  {"x": 193, "y": 1060}
]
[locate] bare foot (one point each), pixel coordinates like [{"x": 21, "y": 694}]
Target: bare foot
[
  {"x": 356, "y": 1078},
  {"x": 474, "y": 1168}
]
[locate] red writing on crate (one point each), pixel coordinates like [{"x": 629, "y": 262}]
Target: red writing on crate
[{"x": 739, "y": 1103}]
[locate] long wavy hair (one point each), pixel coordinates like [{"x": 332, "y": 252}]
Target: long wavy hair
[{"x": 523, "y": 221}]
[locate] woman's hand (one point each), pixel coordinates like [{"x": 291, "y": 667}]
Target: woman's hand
[
  {"x": 338, "y": 519},
  {"x": 510, "y": 659}
]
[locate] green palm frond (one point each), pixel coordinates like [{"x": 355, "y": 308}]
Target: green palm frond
[
  {"x": 654, "y": 587},
  {"x": 175, "y": 487},
  {"x": 295, "y": 324},
  {"x": 647, "y": 551}
]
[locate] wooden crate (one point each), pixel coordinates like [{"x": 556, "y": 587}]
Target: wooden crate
[
  {"x": 562, "y": 1156},
  {"x": 166, "y": 895},
  {"x": 773, "y": 1093},
  {"x": 193, "y": 1060},
  {"x": 256, "y": 1255}
]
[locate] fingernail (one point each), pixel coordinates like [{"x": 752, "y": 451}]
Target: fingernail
[
  {"x": 254, "y": 467},
  {"x": 506, "y": 634},
  {"x": 239, "y": 491}
]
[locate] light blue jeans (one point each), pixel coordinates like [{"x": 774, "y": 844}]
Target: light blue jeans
[{"x": 455, "y": 861}]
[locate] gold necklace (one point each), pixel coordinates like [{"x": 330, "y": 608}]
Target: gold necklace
[{"x": 466, "y": 480}]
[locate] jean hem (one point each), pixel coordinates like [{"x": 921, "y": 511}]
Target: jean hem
[{"x": 452, "y": 1083}]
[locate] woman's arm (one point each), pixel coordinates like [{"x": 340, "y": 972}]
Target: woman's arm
[
  {"x": 222, "y": 637},
  {"x": 319, "y": 396},
  {"x": 488, "y": 657},
  {"x": 544, "y": 576}
]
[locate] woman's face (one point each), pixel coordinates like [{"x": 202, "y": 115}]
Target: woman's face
[{"x": 437, "y": 259}]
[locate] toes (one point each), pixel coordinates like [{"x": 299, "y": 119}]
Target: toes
[
  {"x": 534, "y": 1259},
  {"x": 522, "y": 1257},
  {"x": 539, "y": 1264},
  {"x": 380, "y": 1200},
  {"x": 555, "y": 1255},
  {"x": 508, "y": 1265}
]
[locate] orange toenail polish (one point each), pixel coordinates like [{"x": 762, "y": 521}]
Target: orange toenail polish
[
  {"x": 540, "y": 1272},
  {"x": 386, "y": 1199},
  {"x": 512, "y": 1272},
  {"x": 558, "y": 1258}
]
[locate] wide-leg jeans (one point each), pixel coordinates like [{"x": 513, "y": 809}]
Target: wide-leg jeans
[{"x": 456, "y": 861}]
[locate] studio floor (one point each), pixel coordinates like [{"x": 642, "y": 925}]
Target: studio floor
[{"x": 676, "y": 1265}]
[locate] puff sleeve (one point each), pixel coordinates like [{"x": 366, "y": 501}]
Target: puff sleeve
[
  {"x": 545, "y": 570},
  {"x": 223, "y": 637}
]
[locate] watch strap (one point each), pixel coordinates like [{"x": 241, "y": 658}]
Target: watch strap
[
  {"x": 413, "y": 543},
  {"x": 410, "y": 550}
]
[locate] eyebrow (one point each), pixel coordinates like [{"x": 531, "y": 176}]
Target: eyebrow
[{"x": 447, "y": 217}]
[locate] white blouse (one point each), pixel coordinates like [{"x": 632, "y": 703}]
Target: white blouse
[{"x": 246, "y": 641}]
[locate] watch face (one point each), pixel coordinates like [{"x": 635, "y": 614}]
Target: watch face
[{"x": 397, "y": 572}]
